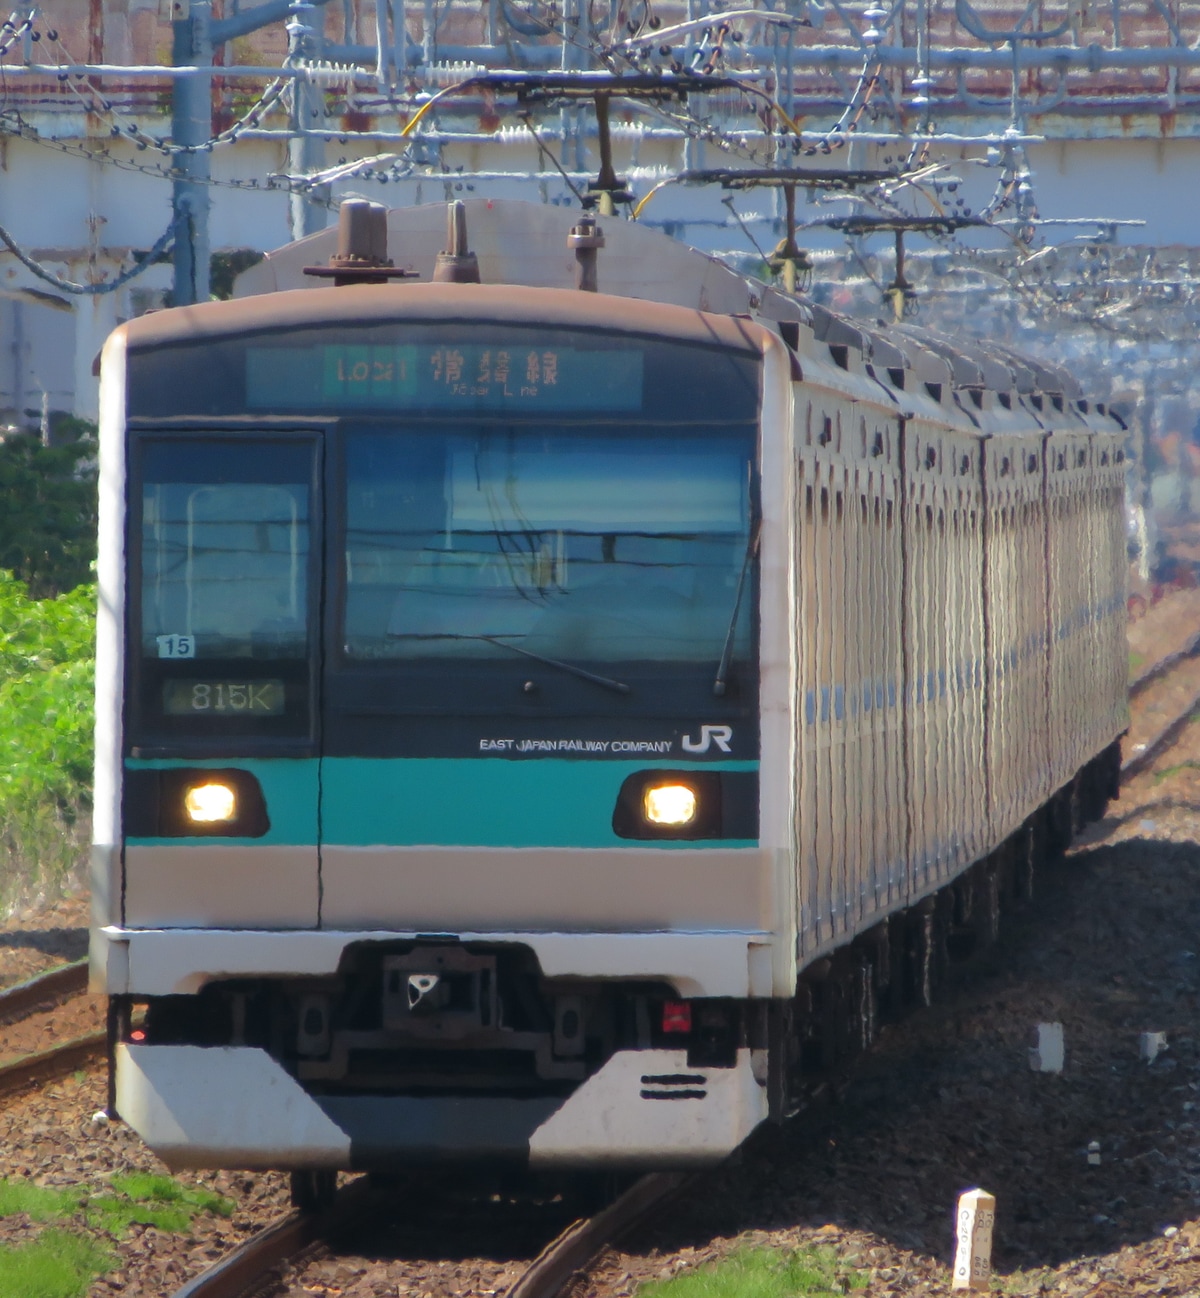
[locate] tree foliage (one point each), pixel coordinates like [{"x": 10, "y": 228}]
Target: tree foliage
[
  {"x": 46, "y": 675},
  {"x": 48, "y": 512}
]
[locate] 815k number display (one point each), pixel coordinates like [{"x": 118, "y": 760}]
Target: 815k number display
[{"x": 223, "y": 698}]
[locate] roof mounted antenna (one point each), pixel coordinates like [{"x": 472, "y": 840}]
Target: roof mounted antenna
[
  {"x": 361, "y": 256},
  {"x": 457, "y": 265},
  {"x": 586, "y": 239}
]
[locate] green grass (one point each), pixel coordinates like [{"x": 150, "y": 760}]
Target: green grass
[
  {"x": 37, "y": 1201},
  {"x": 1168, "y": 771},
  {"x": 57, "y": 1264},
  {"x": 142, "y": 1197},
  {"x": 62, "y": 1261},
  {"x": 763, "y": 1273},
  {"x": 156, "y": 1201}
]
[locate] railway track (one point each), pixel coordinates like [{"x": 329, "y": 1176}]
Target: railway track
[
  {"x": 1163, "y": 667},
  {"x": 40, "y": 993},
  {"x": 46, "y": 1065},
  {"x": 1181, "y": 668},
  {"x": 44, "y": 990},
  {"x": 255, "y": 1266}
]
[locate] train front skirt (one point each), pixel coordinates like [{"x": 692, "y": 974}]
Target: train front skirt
[{"x": 236, "y": 1107}]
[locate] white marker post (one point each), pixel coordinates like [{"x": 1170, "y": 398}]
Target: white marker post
[
  {"x": 973, "y": 1259},
  {"x": 1047, "y": 1056},
  {"x": 1151, "y": 1045}
]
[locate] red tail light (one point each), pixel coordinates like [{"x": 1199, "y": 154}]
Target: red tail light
[{"x": 677, "y": 1016}]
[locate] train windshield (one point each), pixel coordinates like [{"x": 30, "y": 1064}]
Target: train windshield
[
  {"x": 224, "y": 554},
  {"x": 579, "y": 545},
  {"x": 225, "y": 547},
  {"x": 464, "y": 518}
]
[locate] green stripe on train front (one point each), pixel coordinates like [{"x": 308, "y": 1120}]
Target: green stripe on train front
[
  {"x": 443, "y": 802},
  {"x": 482, "y": 802}
]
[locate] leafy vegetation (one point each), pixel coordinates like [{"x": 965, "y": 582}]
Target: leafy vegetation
[
  {"x": 48, "y": 509},
  {"x": 60, "y": 1262},
  {"x": 763, "y": 1273},
  {"x": 47, "y": 548},
  {"x": 46, "y": 649}
]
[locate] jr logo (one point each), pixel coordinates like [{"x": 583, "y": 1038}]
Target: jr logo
[{"x": 719, "y": 735}]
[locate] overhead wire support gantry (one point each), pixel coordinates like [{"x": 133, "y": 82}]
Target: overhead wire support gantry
[{"x": 753, "y": 81}]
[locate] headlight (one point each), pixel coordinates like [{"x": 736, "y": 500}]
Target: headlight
[
  {"x": 194, "y": 802},
  {"x": 669, "y": 804},
  {"x": 687, "y": 806},
  {"x": 210, "y": 803}
]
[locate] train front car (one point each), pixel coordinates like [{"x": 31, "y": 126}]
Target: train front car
[{"x": 428, "y": 775}]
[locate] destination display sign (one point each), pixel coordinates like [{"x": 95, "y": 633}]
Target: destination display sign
[
  {"x": 438, "y": 376},
  {"x": 261, "y": 698}
]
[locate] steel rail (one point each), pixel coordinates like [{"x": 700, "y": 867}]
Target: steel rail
[
  {"x": 571, "y": 1251},
  {"x": 44, "y": 989},
  {"x": 46, "y": 1065},
  {"x": 1137, "y": 762},
  {"x": 1164, "y": 665},
  {"x": 251, "y": 1263}
]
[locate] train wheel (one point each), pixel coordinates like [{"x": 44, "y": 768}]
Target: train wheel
[{"x": 313, "y": 1189}]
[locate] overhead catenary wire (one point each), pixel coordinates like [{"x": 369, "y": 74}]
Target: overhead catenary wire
[
  {"x": 543, "y": 151},
  {"x": 584, "y": 32},
  {"x": 161, "y": 246}
]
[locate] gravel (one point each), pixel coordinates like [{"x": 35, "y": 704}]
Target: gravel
[
  {"x": 1110, "y": 948},
  {"x": 48, "y": 1135},
  {"x": 36, "y": 939}
]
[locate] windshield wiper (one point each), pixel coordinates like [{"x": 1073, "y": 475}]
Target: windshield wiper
[
  {"x": 607, "y": 682},
  {"x": 727, "y": 651}
]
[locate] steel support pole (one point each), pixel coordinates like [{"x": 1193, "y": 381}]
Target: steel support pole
[
  {"x": 191, "y": 125},
  {"x": 307, "y": 212}
]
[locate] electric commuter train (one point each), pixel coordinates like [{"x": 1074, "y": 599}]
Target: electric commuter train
[{"x": 544, "y": 725}]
